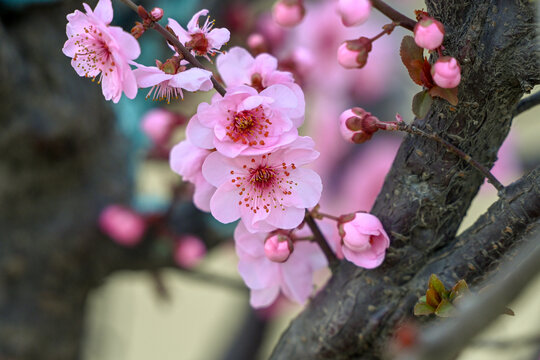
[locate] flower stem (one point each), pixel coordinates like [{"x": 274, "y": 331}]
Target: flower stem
[
  {"x": 394, "y": 15},
  {"x": 321, "y": 241},
  {"x": 179, "y": 47},
  {"x": 411, "y": 129}
]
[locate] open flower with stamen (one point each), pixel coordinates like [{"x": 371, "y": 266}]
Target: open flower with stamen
[
  {"x": 266, "y": 191},
  {"x": 245, "y": 122},
  {"x": 202, "y": 41},
  {"x": 169, "y": 78},
  {"x": 266, "y": 278},
  {"x": 102, "y": 51},
  {"x": 238, "y": 67}
]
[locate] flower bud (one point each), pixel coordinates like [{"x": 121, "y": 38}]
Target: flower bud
[
  {"x": 288, "y": 13},
  {"x": 122, "y": 224},
  {"x": 364, "y": 241},
  {"x": 189, "y": 251},
  {"x": 278, "y": 247},
  {"x": 138, "y": 30},
  {"x": 446, "y": 72},
  {"x": 354, "y": 12},
  {"x": 429, "y": 33},
  {"x": 158, "y": 125},
  {"x": 257, "y": 43},
  {"x": 157, "y": 13},
  {"x": 357, "y": 125},
  {"x": 353, "y": 54}
]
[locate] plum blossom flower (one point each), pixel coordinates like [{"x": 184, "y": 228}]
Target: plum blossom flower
[
  {"x": 189, "y": 250},
  {"x": 102, "y": 51},
  {"x": 446, "y": 72},
  {"x": 158, "y": 124},
  {"x": 266, "y": 191},
  {"x": 238, "y": 67},
  {"x": 122, "y": 224},
  {"x": 246, "y": 122},
  {"x": 288, "y": 13},
  {"x": 201, "y": 40},
  {"x": 266, "y": 278},
  {"x": 354, "y": 12},
  {"x": 168, "y": 79},
  {"x": 364, "y": 240},
  {"x": 186, "y": 160}
]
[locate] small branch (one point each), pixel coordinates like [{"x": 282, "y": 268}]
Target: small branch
[
  {"x": 527, "y": 103},
  {"x": 445, "y": 340},
  {"x": 179, "y": 47},
  {"x": 411, "y": 129},
  {"x": 321, "y": 241},
  {"x": 214, "y": 279},
  {"x": 394, "y": 15}
]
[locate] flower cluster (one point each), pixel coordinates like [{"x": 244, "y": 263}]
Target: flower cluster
[{"x": 106, "y": 52}]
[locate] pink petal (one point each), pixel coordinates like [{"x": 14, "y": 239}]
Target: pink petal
[
  {"x": 288, "y": 218},
  {"x": 265, "y": 64},
  {"x": 224, "y": 204},
  {"x": 250, "y": 243},
  {"x": 182, "y": 34},
  {"x": 104, "y": 11},
  {"x": 218, "y": 37},
  {"x": 199, "y": 135},
  {"x": 193, "y": 79},
  {"x": 257, "y": 273},
  {"x": 128, "y": 45},
  {"x": 192, "y": 24},
  {"x": 234, "y": 66},
  {"x": 282, "y": 95},
  {"x": 217, "y": 169},
  {"x": 202, "y": 195},
  {"x": 263, "y": 297},
  {"x": 297, "y": 278},
  {"x": 308, "y": 191},
  {"x": 148, "y": 76},
  {"x": 301, "y": 152},
  {"x": 367, "y": 259}
]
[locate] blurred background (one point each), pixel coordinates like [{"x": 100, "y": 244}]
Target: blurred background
[{"x": 179, "y": 296}]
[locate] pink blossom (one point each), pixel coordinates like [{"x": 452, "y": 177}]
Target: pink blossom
[
  {"x": 429, "y": 33},
  {"x": 238, "y": 67},
  {"x": 278, "y": 247},
  {"x": 288, "y": 13},
  {"x": 446, "y": 72},
  {"x": 364, "y": 241},
  {"x": 354, "y": 12},
  {"x": 353, "y": 54},
  {"x": 266, "y": 278},
  {"x": 266, "y": 191},
  {"x": 246, "y": 122},
  {"x": 186, "y": 160},
  {"x": 168, "y": 79},
  {"x": 189, "y": 250},
  {"x": 102, "y": 51},
  {"x": 122, "y": 224},
  {"x": 202, "y": 41},
  {"x": 158, "y": 124}
]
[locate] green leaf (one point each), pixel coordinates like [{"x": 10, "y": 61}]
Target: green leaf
[
  {"x": 432, "y": 298},
  {"x": 449, "y": 95},
  {"x": 437, "y": 285},
  {"x": 421, "y": 308},
  {"x": 421, "y": 104},
  {"x": 445, "y": 309},
  {"x": 412, "y": 57},
  {"x": 461, "y": 288}
]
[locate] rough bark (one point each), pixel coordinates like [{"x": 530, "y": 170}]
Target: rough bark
[{"x": 428, "y": 190}]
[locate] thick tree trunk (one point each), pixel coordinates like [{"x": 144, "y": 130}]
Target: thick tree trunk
[{"x": 428, "y": 191}]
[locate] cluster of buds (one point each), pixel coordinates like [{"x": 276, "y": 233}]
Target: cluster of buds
[
  {"x": 148, "y": 19},
  {"x": 358, "y": 126}
]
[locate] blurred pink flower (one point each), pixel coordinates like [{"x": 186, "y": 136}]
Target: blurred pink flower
[
  {"x": 189, "y": 251},
  {"x": 186, "y": 160},
  {"x": 246, "y": 122},
  {"x": 102, "y": 51},
  {"x": 123, "y": 225},
  {"x": 158, "y": 124},
  {"x": 288, "y": 13},
  {"x": 364, "y": 241},
  {"x": 265, "y": 278},
  {"x": 266, "y": 191},
  {"x": 354, "y": 12},
  {"x": 203, "y": 40}
]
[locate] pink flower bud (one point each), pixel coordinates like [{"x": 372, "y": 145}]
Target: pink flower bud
[
  {"x": 158, "y": 124},
  {"x": 429, "y": 33},
  {"x": 364, "y": 240},
  {"x": 354, "y": 12},
  {"x": 157, "y": 13},
  {"x": 257, "y": 43},
  {"x": 122, "y": 224},
  {"x": 189, "y": 251},
  {"x": 357, "y": 125},
  {"x": 446, "y": 72},
  {"x": 278, "y": 248},
  {"x": 288, "y": 13},
  {"x": 353, "y": 54}
]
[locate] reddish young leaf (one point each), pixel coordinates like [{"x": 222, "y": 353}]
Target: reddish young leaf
[
  {"x": 449, "y": 95},
  {"x": 412, "y": 57}
]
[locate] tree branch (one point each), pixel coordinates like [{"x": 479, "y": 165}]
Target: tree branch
[
  {"x": 394, "y": 15},
  {"x": 527, "y": 103}
]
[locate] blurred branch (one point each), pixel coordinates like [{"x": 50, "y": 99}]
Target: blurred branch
[
  {"x": 394, "y": 15},
  {"x": 446, "y": 340},
  {"x": 527, "y": 103}
]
